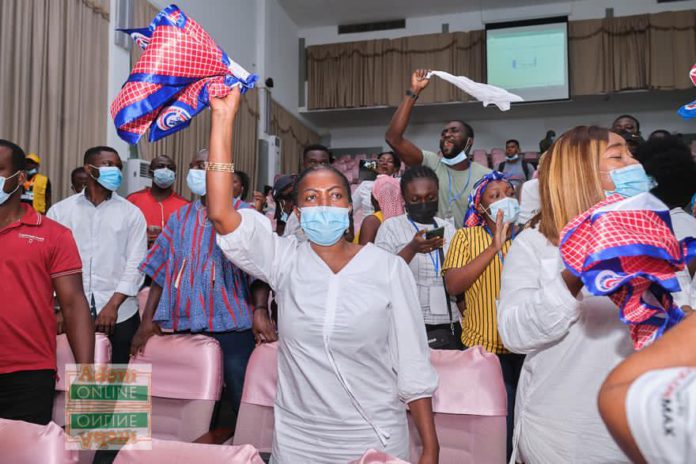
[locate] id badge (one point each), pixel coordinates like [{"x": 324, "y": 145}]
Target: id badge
[{"x": 438, "y": 301}]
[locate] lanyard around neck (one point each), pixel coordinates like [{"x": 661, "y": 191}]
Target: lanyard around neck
[
  {"x": 500, "y": 252},
  {"x": 435, "y": 260},
  {"x": 451, "y": 197}
]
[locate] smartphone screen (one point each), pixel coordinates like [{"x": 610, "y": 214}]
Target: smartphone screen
[{"x": 439, "y": 232}]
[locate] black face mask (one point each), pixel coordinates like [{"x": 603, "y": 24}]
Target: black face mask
[{"x": 422, "y": 213}]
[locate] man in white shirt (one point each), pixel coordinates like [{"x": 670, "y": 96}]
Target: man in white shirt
[{"x": 111, "y": 237}]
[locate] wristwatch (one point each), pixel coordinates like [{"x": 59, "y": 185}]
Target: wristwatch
[{"x": 410, "y": 93}]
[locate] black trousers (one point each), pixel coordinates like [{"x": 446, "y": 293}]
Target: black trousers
[
  {"x": 511, "y": 365},
  {"x": 28, "y": 395},
  {"x": 121, "y": 339}
]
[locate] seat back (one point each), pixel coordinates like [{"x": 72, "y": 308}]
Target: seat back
[
  {"x": 471, "y": 426},
  {"x": 64, "y": 355},
  {"x": 177, "y": 452},
  {"x": 255, "y": 422},
  {"x": 25, "y": 443},
  {"x": 481, "y": 157},
  {"x": 497, "y": 157},
  {"x": 372, "y": 456},
  {"x": 186, "y": 383}
]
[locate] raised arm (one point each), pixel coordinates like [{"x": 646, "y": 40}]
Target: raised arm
[
  {"x": 404, "y": 148},
  {"x": 677, "y": 348},
  {"x": 537, "y": 305},
  {"x": 219, "y": 195}
]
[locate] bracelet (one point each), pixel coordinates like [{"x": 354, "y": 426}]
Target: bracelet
[
  {"x": 410, "y": 93},
  {"x": 260, "y": 307},
  {"x": 219, "y": 167}
]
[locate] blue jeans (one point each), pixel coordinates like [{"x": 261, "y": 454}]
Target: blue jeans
[{"x": 236, "y": 350}]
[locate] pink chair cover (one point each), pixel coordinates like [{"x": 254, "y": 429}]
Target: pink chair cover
[
  {"x": 255, "y": 425},
  {"x": 373, "y": 456},
  {"x": 64, "y": 355},
  {"x": 471, "y": 382},
  {"x": 184, "y": 366},
  {"x": 177, "y": 452},
  {"x": 480, "y": 157},
  {"x": 261, "y": 376},
  {"x": 25, "y": 443},
  {"x": 497, "y": 157},
  {"x": 142, "y": 299}
]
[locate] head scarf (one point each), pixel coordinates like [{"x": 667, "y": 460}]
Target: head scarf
[
  {"x": 387, "y": 191},
  {"x": 473, "y": 217},
  {"x": 625, "y": 248},
  {"x": 180, "y": 69}
]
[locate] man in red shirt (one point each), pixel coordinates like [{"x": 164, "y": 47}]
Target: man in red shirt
[
  {"x": 39, "y": 256},
  {"x": 159, "y": 201}
]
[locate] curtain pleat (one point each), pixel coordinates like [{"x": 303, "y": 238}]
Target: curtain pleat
[
  {"x": 606, "y": 55},
  {"x": 294, "y": 136},
  {"x": 54, "y": 63}
]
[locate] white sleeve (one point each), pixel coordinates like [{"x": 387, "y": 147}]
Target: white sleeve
[
  {"x": 449, "y": 235},
  {"x": 255, "y": 249},
  {"x": 132, "y": 279},
  {"x": 693, "y": 293},
  {"x": 385, "y": 238},
  {"x": 536, "y": 308},
  {"x": 661, "y": 414},
  {"x": 358, "y": 197},
  {"x": 408, "y": 344}
]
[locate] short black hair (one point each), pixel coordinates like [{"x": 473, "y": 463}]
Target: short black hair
[
  {"x": 629, "y": 117},
  {"x": 417, "y": 172},
  {"x": 659, "y": 133},
  {"x": 515, "y": 141},
  {"x": 668, "y": 160},
  {"x": 244, "y": 179},
  {"x": 19, "y": 162},
  {"x": 469, "y": 129},
  {"x": 397, "y": 161},
  {"x": 321, "y": 167},
  {"x": 76, "y": 171},
  {"x": 315, "y": 147},
  {"x": 94, "y": 151}
]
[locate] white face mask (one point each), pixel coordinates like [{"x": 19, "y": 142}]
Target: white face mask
[
  {"x": 510, "y": 208},
  {"x": 4, "y": 196}
]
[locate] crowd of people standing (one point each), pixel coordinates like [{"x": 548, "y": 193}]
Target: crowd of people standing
[{"x": 450, "y": 255}]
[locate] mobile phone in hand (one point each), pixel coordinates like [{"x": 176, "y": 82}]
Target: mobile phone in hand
[{"x": 439, "y": 232}]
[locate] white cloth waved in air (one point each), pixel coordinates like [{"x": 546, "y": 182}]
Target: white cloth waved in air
[{"x": 484, "y": 93}]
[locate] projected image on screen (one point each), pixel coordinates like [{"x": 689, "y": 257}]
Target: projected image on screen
[{"x": 529, "y": 60}]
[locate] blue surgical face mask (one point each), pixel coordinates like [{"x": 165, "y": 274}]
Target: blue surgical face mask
[
  {"x": 513, "y": 158},
  {"x": 163, "y": 177},
  {"x": 630, "y": 181},
  {"x": 462, "y": 156},
  {"x": 284, "y": 216},
  {"x": 324, "y": 225},
  {"x": 110, "y": 177},
  {"x": 32, "y": 172},
  {"x": 196, "y": 181},
  {"x": 3, "y": 194},
  {"x": 510, "y": 208}
]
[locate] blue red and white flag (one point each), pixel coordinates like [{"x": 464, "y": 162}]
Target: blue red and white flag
[
  {"x": 625, "y": 248},
  {"x": 180, "y": 69},
  {"x": 688, "y": 111}
]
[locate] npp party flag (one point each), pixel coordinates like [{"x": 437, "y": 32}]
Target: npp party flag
[
  {"x": 625, "y": 248},
  {"x": 688, "y": 111},
  {"x": 485, "y": 93},
  {"x": 180, "y": 69}
]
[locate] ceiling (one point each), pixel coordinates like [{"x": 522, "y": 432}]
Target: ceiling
[{"x": 313, "y": 13}]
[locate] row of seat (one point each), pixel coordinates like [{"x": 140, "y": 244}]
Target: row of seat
[{"x": 349, "y": 165}]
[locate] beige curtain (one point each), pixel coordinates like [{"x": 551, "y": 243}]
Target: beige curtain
[
  {"x": 53, "y": 75},
  {"x": 375, "y": 72},
  {"x": 182, "y": 145},
  {"x": 632, "y": 52},
  {"x": 294, "y": 136}
]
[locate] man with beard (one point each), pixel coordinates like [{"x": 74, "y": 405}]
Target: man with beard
[{"x": 457, "y": 174}]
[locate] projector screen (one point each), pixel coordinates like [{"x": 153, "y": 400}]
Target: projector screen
[{"x": 529, "y": 58}]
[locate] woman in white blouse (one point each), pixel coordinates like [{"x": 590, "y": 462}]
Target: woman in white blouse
[
  {"x": 572, "y": 339},
  {"x": 352, "y": 350}
]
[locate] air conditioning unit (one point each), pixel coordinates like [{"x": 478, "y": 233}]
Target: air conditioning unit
[
  {"x": 270, "y": 150},
  {"x": 137, "y": 176}
]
